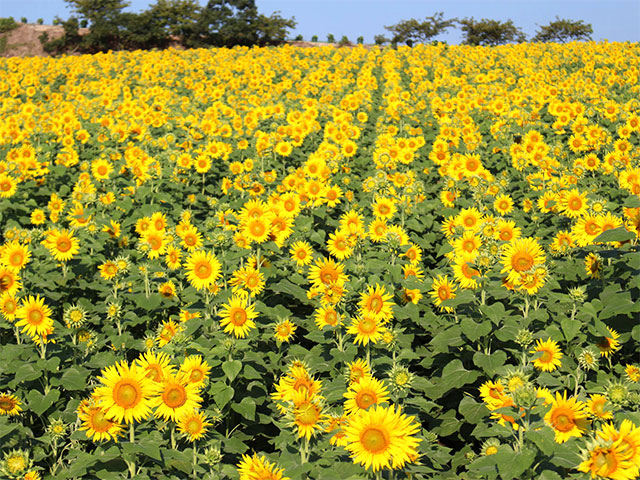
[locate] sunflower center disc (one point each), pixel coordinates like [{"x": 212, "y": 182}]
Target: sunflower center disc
[
  {"x": 203, "y": 270},
  {"x": 374, "y": 440},
  {"x": 126, "y": 395},
  {"x": 175, "y": 396}
]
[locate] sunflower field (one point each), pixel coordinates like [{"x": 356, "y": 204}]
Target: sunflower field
[{"x": 322, "y": 263}]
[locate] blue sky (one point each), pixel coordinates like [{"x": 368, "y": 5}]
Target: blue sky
[{"x": 614, "y": 20}]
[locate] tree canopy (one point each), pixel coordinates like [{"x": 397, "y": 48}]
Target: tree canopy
[
  {"x": 412, "y": 30},
  {"x": 489, "y": 32},
  {"x": 562, "y": 30}
]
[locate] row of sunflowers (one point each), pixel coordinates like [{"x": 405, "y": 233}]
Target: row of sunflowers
[{"x": 285, "y": 263}]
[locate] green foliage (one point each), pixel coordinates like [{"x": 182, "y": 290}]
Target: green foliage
[
  {"x": 380, "y": 39},
  {"x": 360, "y": 40},
  {"x": 331, "y": 38},
  {"x": 412, "y": 31},
  {"x": 70, "y": 41},
  {"x": 344, "y": 41},
  {"x": 7, "y": 24},
  {"x": 314, "y": 38},
  {"x": 562, "y": 30},
  {"x": 488, "y": 32}
]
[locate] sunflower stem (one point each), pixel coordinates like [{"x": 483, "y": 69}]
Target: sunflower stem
[
  {"x": 173, "y": 437},
  {"x": 195, "y": 456},
  {"x": 43, "y": 348},
  {"x": 132, "y": 463}
]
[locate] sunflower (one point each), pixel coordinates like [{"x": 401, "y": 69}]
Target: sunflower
[
  {"x": 8, "y": 185},
  {"x": 172, "y": 258},
  {"x": 358, "y": 370},
  {"x": 629, "y": 437},
  {"x": 259, "y": 468},
  {"x": 38, "y": 216},
  {"x": 503, "y": 204},
  {"x": 573, "y": 204},
  {"x": 257, "y": 229},
  {"x": 307, "y": 413},
  {"x": 248, "y": 278},
  {"x": 176, "y": 397},
  {"x": 520, "y": 256},
  {"x": 375, "y": 303},
  {"x": 596, "y": 407},
  {"x": 442, "y": 289},
  {"x": 465, "y": 274},
  {"x": 193, "y": 425},
  {"x": 469, "y": 218},
  {"x": 567, "y": 417},
  {"x": 62, "y": 245},
  {"x": 126, "y": 393},
  {"x": 9, "y": 404},
  {"x": 195, "y": 369},
  {"x": 34, "y": 317},
  {"x": 108, "y": 270},
  {"x": 507, "y": 230},
  {"x": 297, "y": 379},
  {"x": 467, "y": 246},
  {"x": 550, "y": 355},
  {"x": 339, "y": 245},
  {"x": 364, "y": 393},
  {"x": 155, "y": 366},
  {"x": 593, "y": 265},
  {"x": 237, "y": 318},
  {"x": 384, "y": 208},
  {"x": 191, "y": 238},
  {"x": 203, "y": 269},
  {"x": 326, "y": 317},
  {"x": 283, "y": 331},
  {"x": 335, "y": 426},
  {"x": 382, "y": 437},
  {"x": 631, "y": 371},
  {"x": 15, "y": 256},
  {"x": 366, "y": 329},
  {"x": 96, "y": 424},
  {"x": 301, "y": 253},
  {"x": 166, "y": 331},
  {"x": 377, "y": 230},
  {"x": 101, "y": 169},
  {"x": 327, "y": 272},
  {"x": 609, "y": 344},
  {"x": 586, "y": 229},
  {"x": 8, "y": 306},
  {"x": 155, "y": 242}
]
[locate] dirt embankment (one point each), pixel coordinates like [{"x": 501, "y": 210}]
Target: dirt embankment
[{"x": 24, "y": 41}]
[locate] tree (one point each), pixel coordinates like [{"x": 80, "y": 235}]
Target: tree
[
  {"x": 273, "y": 30},
  {"x": 380, "y": 39},
  {"x": 105, "y": 19},
  {"x": 226, "y": 23},
  {"x": 563, "y": 30},
  {"x": 412, "y": 31},
  {"x": 490, "y": 32}
]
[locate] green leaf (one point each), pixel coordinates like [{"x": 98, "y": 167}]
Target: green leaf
[
  {"x": 570, "y": 328},
  {"x": 39, "y": 403},
  {"x": 565, "y": 456},
  {"x": 472, "y": 330},
  {"x": 232, "y": 368},
  {"x": 543, "y": 439},
  {"x": 223, "y": 395},
  {"x": 549, "y": 475},
  {"x": 619, "y": 234},
  {"x": 246, "y": 408},
  {"x": 513, "y": 465},
  {"x": 471, "y": 410},
  {"x": 75, "y": 378},
  {"x": 490, "y": 362}
]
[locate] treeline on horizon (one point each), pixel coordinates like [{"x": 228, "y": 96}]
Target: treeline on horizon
[{"x": 229, "y": 23}]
